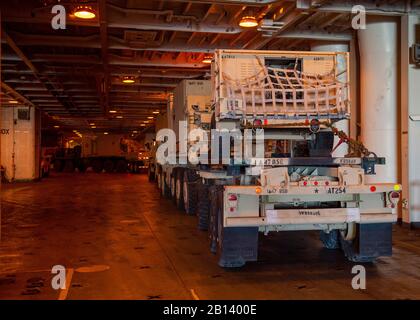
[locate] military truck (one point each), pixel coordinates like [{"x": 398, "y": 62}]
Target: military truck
[
  {"x": 295, "y": 101},
  {"x": 109, "y": 153}
]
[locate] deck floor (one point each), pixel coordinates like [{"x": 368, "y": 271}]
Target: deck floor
[{"x": 119, "y": 239}]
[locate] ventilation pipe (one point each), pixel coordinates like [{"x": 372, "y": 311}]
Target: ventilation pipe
[
  {"x": 343, "y": 125},
  {"x": 378, "y": 96}
]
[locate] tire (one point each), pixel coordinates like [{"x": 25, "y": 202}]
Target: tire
[
  {"x": 150, "y": 174},
  {"x": 166, "y": 192},
  {"x": 189, "y": 192},
  {"x": 97, "y": 165},
  {"x": 213, "y": 224},
  {"x": 179, "y": 190},
  {"x": 173, "y": 185},
  {"x": 330, "y": 240},
  {"x": 121, "y": 166},
  {"x": 109, "y": 166},
  {"x": 159, "y": 181},
  {"x": 68, "y": 166},
  {"x": 203, "y": 206},
  {"x": 58, "y": 165},
  {"x": 83, "y": 165}
]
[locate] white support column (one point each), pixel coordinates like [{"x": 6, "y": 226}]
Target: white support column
[
  {"x": 410, "y": 125},
  {"x": 343, "y": 125},
  {"x": 378, "y": 82}
]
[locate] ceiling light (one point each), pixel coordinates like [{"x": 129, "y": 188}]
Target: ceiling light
[
  {"x": 93, "y": 127},
  {"x": 128, "y": 79},
  {"x": 147, "y": 121},
  {"x": 84, "y": 12},
  {"x": 207, "y": 58},
  {"x": 248, "y": 21},
  {"x": 150, "y": 118},
  {"x": 135, "y": 131},
  {"x": 13, "y": 102},
  {"x": 92, "y": 124},
  {"x": 142, "y": 125},
  {"x": 156, "y": 112},
  {"x": 56, "y": 127},
  {"x": 105, "y": 133},
  {"x": 119, "y": 117},
  {"x": 112, "y": 111}
]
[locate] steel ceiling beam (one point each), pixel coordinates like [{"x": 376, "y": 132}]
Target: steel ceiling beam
[{"x": 372, "y": 7}]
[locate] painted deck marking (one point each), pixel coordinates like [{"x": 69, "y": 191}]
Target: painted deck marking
[
  {"x": 64, "y": 292},
  {"x": 194, "y": 295}
]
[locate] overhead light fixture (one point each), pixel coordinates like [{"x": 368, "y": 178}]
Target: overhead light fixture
[
  {"x": 93, "y": 127},
  {"x": 112, "y": 111},
  {"x": 84, "y": 12},
  {"x": 105, "y": 133},
  {"x": 13, "y": 102},
  {"x": 119, "y": 117},
  {"x": 150, "y": 117},
  {"x": 135, "y": 131},
  {"x": 248, "y": 21},
  {"x": 156, "y": 112},
  {"x": 57, "y": 127},
  {"x": 147, "y": 121},
  {"x": 207, "y": 58},
  {"x": 142, "y": 125},
  {"x": 128, "y": 79}
]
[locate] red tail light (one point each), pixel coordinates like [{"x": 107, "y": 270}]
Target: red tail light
[
  {"x": 394, "y": 195},
  {"x": 233, "y": 197}
]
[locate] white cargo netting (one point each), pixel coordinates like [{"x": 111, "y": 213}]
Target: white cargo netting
[{"x": 285, "y": 92}]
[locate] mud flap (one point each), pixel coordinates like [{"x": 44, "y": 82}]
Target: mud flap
[
  {"x": 372, "y": 241},
  {"x": 238, "y": 245},
  {"x": 375, "y": 240}
]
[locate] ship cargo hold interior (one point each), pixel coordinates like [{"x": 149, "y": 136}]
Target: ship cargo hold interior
[{"x": 88, "y": 90}]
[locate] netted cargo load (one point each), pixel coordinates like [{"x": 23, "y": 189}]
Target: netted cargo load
[{"x": 272, "y": 92}]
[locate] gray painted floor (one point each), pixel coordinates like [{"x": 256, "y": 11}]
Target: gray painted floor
[{"x": 119, "y": 239}]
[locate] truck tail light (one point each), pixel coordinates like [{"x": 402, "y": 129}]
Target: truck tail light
[
  {"x": 232, "y": 202},
  {"x": 233, "y": 197},
  {"x": 394, "y": 197},
  {"x": 372, "y": 189}
]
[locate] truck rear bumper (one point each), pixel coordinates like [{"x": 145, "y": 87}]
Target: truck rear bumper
[{"x": 311, "y": 219}]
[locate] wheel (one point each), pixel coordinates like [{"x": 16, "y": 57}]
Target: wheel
[
  {"x": 203, "y": 206},
  {"x": 173, "y": 186},
  {"x": 162, "y": 184},
  {"x": 68, "y": 166},
  {"x": 150, "y": 174},
  {"x": 97, "y": 165},
  {"x": 109, "y": 166},
  {"x": 330, "y": 240},
  {"x": 350, "y": 233},
  {"x": 121, "y": 166},
  {"x": 166, "y": 192},
  {"x": 189, "y": 192},
  {"x": 213, "y": 224},
  {"x": 159, "y": 181},
  {"x": 82, "y": 166},
  {"x": 58, "y": 165},
  {"x": 179, "y": 197}
]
